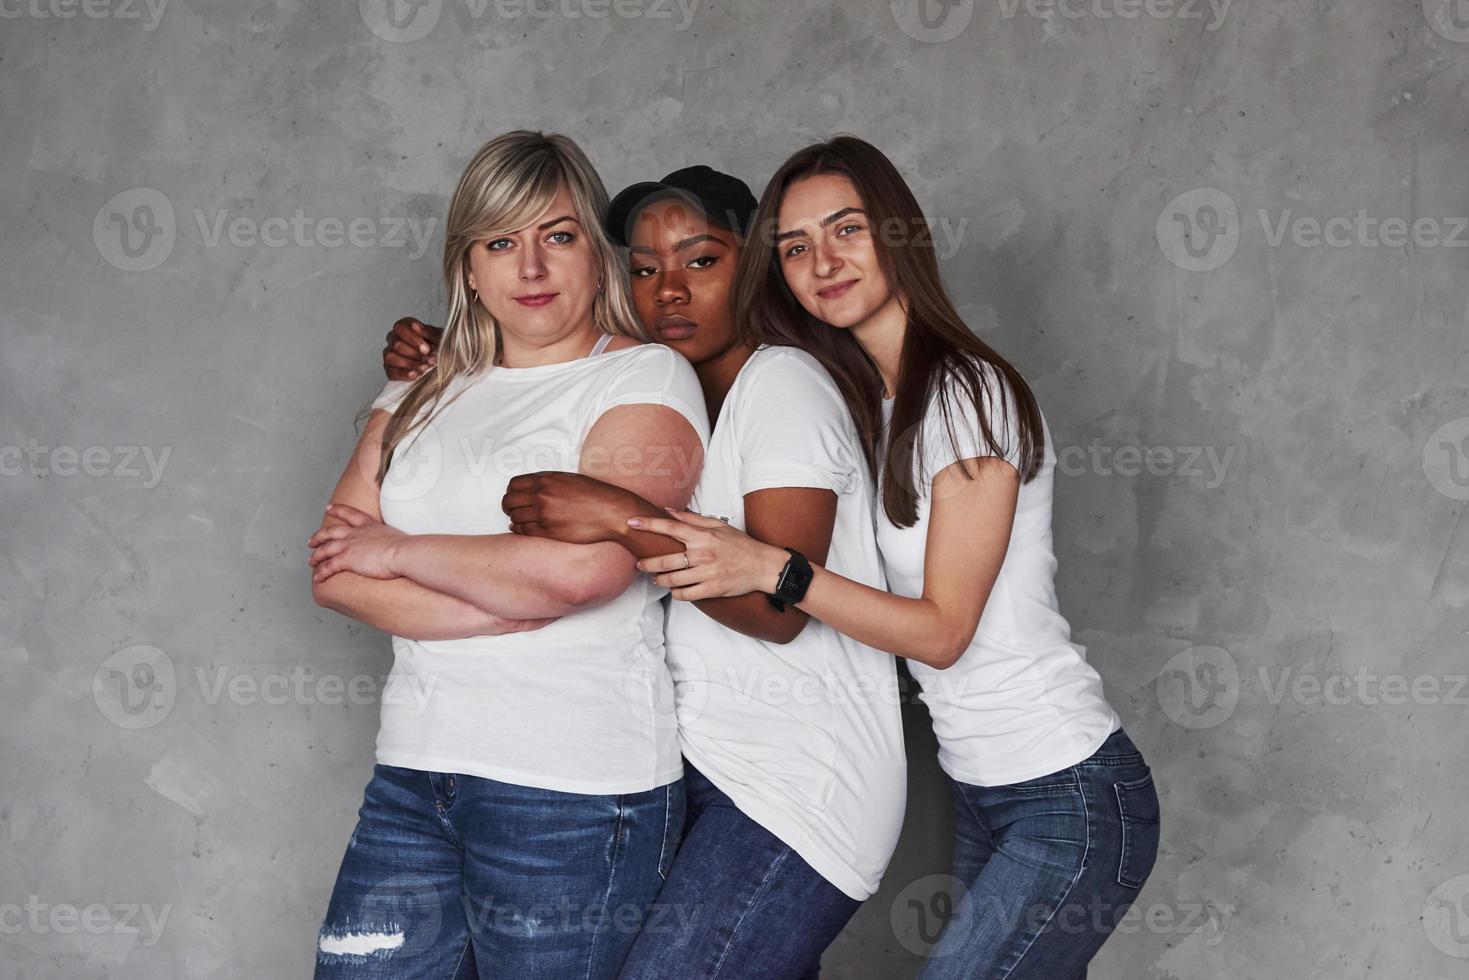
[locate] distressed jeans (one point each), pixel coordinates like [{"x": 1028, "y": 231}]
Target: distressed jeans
[{"x": 451, "y": 877}]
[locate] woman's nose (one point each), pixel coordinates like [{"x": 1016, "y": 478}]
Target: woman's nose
[
  {"x": 532, "y": 265},
  {"x": 828, "y": 263},
  {"x": 672, "y": 288}
]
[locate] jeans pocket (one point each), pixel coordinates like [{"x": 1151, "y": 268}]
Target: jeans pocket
[
  {"x": 1137, "y": 804},
  {"x": 1062, "y": 783}
]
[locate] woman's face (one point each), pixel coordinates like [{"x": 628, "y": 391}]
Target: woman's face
[
  {"x": 827, "y": 251},
  {"x": 539, "y": 281},
  {"x": 682, "y": 270}
]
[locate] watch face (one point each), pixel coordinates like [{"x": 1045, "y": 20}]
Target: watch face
[{"x": 795, "y": 578}]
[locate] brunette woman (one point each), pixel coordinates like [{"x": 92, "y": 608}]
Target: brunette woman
[{"x": 1057, "y": 817}]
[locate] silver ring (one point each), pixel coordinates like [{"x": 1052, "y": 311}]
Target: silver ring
[{"x": 686, "y": 562}]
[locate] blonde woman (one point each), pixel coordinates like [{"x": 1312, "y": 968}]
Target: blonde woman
[{"x": 526, "y": 804}]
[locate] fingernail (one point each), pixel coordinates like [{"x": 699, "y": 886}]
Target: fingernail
[
  {"x": 433, "y": 360},
  {"x": 638, "y": 565},
  {"x": 634, "y": 522},
  {"x": 423, "y": 348},
  {"x": 671, "y": 510}
]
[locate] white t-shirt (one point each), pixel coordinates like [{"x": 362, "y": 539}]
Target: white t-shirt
[
  {"x": 573, "y": 706},
  {"x": 804, "y": 737},
  {"x": 1022, "y": 701}
]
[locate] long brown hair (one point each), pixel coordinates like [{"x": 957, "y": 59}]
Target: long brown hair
[
  {"x": 508, "y": 184},
  {"x": 939, "y": 351}
]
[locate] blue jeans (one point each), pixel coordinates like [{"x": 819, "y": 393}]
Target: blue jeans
[
  {"x": 1047, "y": 868},
  {"x": 739, "y": 902},
  {"x": 455, "y": 876}
]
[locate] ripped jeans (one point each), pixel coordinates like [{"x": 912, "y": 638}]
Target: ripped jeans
[{"x": 453, "y": 877}]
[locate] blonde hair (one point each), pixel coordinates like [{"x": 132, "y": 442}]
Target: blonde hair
[{"x": 509, "y": 183}]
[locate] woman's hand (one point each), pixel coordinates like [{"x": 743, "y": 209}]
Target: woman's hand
[
  {"x": 568, "y": 507},
  {"x": 717, "y": 560},
  {"x": 412, "y": 349},
  {"x": 363, "y": 545}
]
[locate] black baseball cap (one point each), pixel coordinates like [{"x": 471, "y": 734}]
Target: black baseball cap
[{"x": 725, "y": 200}]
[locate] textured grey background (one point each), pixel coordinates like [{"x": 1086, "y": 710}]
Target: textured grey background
[{"x": 1253, "y": 617}]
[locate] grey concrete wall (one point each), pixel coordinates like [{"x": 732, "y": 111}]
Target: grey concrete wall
[{"x": 1263, "y": 431}]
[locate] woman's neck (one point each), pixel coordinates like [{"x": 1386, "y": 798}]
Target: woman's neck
[
  {"x": 881, "y": 336},
  {"x": 576, "y": 343},
  {"x": 717, "y": 375}
]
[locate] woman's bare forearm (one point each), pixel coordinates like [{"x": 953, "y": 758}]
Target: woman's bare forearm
[
  {"x": 402, "y": 607},
  {"x": 513, "y": 576},
  {"x": 750, "y": 614},
  {"x": 915, "y": 629}
]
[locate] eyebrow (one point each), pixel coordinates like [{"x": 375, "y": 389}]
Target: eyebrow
[
  {"x": 687, "y": 242},
  {"x": 556, "y": 221},
  {"x": 828, "y": 220}
]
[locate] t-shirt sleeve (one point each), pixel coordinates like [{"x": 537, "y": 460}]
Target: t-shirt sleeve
[
  {"x": 1000, "y": 412},
  {"x": 793, "y": 428},
  {"x": 392, "y": 393},
  {"x": 658, "y": 375}
]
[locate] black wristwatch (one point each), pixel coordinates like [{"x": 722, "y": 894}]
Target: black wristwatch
[{"x": 794, "y": 580}]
